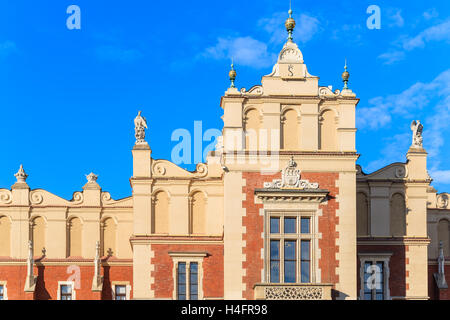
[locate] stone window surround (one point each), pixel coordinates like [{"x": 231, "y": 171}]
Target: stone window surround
[
  {"x": 298, "y": 236},
  {"x": 188, "y": 257},
  {"x": 375, "y": 257},
  {"x": 5, "y": 289},
  {"x": 62, "y": 283},
  {"x": 121, "y": 283}
]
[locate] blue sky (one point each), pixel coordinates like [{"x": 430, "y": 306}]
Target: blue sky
[{"x": 68, "y": 97}]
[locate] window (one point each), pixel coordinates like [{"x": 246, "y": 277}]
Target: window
[
  {"x": 66, "y": 290},
  {"x": 289, "y": 248},
  {"x": 187, "y": 271},
  {"x": 193, "y": 283},
  {"x": 120, "y": 292},
  {"x": 2, "y": 292},
  {"x": 375, "y": 276},
  {"x": 181, "y": 281},
  {"x": 187, "y": 275}
]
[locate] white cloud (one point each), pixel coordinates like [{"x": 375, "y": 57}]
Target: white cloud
[
  {"x": 246, "y": 51},
  {"x": 396, "y": 19},
  {"x": 440, "y": 176},
  {"x": 392, "y": 57},
  {"x": 440, "y": 32},
  {"x": 306, "y": 27},
  {"x": 408, "y": 105},
  {"x": 117, "y": 54},
  {"x": 431, "y": 14},
  {"x": 405, "y": 104}
]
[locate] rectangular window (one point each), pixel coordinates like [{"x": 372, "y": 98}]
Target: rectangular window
[
  {"x": 181, "y": 281},
  {"x": 379, "y": 282},
  {"x": 289, "y": 248},
  {"x": 290, "y": 261},
  {"x": 121, "y": 292},
  {"x": 275, "y": 225},
  {"x": 66, "y": 291},
  {"x": 193, "y": 281},
  {"x": 374, "y": 280},
  {"x": 2, "y": 292},
  {"x": 305, "y": 229},
  {"x": 290, "y": 225},
  {"x": 275, "y": 261},
  {"x": 306, "y": 261}
]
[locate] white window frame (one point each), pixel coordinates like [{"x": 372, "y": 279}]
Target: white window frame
[
  {"x": 5, "y": 289},
  {"x": 188, "y": 258},
  {"x": 374, "y": 258},
  {"x": 311, "y": 236},
  {"x": 121, "y": 283},
  {"x": 66, "y": 283}
]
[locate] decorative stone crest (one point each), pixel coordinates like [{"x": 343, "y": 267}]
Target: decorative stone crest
[
  {"x": 400, "y": 172},
  {"x": 291, "y": 179},
  {"x": 442, "y": 201},
  {"x": 91, "y": 177},
  {"x": 21, "y": 175},
  {"x": 417, "y": 139},
  {"x": 140, "y": 124}
]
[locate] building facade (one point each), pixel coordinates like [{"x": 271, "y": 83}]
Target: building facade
[{"x": 280, "y": 210}]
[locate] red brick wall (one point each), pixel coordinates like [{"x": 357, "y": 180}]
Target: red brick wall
[
  {"x": 254, "y": 224},
  {"x": 213, "y": 274},
  {"x": 48, "y": 277},
  {"x": 433, "y": 291},
  {"x": 397, "y": 267},
  {"x": 327, "y": 226}
]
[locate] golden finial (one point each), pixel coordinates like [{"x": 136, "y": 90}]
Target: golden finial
[
  {"x": 345, "y": 76},
  {"x": 232, "y": 74},
  {"x": 290, "y": 23}
]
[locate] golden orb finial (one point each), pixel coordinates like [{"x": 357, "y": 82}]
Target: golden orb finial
[
  {"x": 232, "y": 74},
  {"x": 345, "y": 76},
  {"x": 290, "y": 24}
]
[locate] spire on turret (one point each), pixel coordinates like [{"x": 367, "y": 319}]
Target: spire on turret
[
  {"x": 345, "y": 76},
  {"x": 21, "y": 175},
  {"x": 232, "y": 74},
  {"x": 290, "y": 24}
]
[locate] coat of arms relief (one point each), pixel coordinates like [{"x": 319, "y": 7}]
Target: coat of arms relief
[{"x": 291, "y": 179}]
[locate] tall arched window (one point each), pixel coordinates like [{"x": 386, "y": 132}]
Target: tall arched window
[
  {"x": 160, "y": 213},
  {"x": 290, "y": 130},
  {"x": 109, "y": 237},
  {"x": 252, "y": 127},
  {"x": 362, "y": 214},
  {"x": 328, "y": 131},
  {"x": 398, "y": 215},
  {"x": 5, "y": 237},
  {"x": 198, "y": 215},
  {"x": 444, "y": 235},
  {"x": 74, "y": 242},
  {"x": 38, "y": 235}
]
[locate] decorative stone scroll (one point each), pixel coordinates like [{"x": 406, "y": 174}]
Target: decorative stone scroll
[
  {"x": 5, "y": 196},
  {"x": 293, "y": 293},
  {"x": 291, "y": 179}
]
